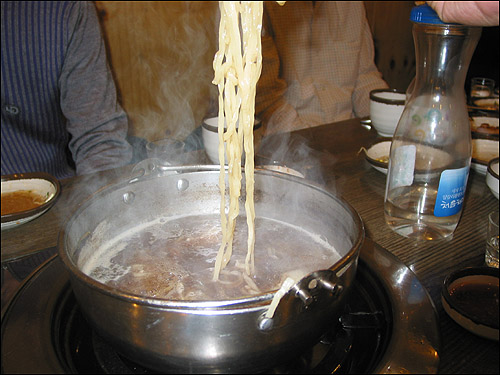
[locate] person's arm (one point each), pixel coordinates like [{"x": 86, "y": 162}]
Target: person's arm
[
  {"x": 270, "y": 104},
  {"x": 96, "y": 122},
  {"x": 369, "y": 78}
]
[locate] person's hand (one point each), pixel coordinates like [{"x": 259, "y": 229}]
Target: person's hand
[{"x": 471, "y": 13}]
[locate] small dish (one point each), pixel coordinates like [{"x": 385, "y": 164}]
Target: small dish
[
  {"x": 484, "y": 127},
  {"x": 470, "y": 298},
  {"x": 487, "y": 104},
  {"x": 483, "y": 150},
  {"x": 492, "y": 176},
  {"x": 210, "y": 136},
  {"x": 378, "y": 154},
  {"x": 386, "y": 107},
  {"x": 39, "y": 183}
]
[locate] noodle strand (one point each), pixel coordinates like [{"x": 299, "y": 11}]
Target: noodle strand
[{"x": 237, "y": 66}]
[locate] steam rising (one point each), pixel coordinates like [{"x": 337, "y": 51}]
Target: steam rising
[{"x": 166, "y": 80}]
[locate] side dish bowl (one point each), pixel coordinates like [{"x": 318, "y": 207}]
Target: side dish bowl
[
  {"x": 487, "y": 104},
  {"x": 39, "y": 183},
  {"x": 378, "y": 154},
  {"x": 210, "y": 135},
  {"x": 492, "y": 176},
  {"x": 484, "y": 127},
  {"x": 386, "y": 107},
  {"x": 468, "y": 297}
]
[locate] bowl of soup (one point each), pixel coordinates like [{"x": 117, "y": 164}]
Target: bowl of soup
[{"x": 26, "y": 196}]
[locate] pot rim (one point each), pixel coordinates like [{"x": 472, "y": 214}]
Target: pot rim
[{"x": 255, "y": 302}]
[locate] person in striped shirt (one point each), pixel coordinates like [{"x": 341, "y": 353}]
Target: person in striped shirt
[{"x": 60, "y": 112}]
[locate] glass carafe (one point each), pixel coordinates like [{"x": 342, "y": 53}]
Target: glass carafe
[{"x": 431, "y": 147}]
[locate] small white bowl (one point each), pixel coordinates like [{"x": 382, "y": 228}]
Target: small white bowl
[
  {"x": 378, "y": 155},
  {"x": 40, "y": 183},
  {"x": 386, "y": 107},
  {"x": 484, "y": 127},
  {"x": 487, "y": 104},
  {"x": 483, "y": 150},
  {"x": 492, "y": 176},
  {"x": 210, "y": 135}
]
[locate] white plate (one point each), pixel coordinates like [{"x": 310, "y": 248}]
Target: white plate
[{"x": 40, "y": 183}]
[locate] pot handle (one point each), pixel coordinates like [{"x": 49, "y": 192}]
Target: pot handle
[{"x": 311, "y": 289}]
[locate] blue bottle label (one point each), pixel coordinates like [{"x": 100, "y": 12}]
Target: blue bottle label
[{"x": 451, "y": 192}]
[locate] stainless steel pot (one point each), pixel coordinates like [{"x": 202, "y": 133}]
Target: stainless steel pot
[{"x": 213, "y": 336}]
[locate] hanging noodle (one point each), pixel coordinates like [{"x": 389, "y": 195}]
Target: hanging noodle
[{"x": 236, "y": 75}]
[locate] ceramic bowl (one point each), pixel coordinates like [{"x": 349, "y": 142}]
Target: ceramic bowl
[
  {"x": 483, "y": 150},
  {"x": 484, "y": 127},
  {"x": 487, "y": 104},
  {"x": 492, "y": 176},
  {"x": 470, "y": 298},
  {"x": 386, "y": 107},
  {"x": 210, "y": 135},
  {"x": 378, "y": 154},
  {"x": 40, "y": 183}
]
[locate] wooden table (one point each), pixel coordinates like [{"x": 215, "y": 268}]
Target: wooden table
[{"x": 335, "y": 160}]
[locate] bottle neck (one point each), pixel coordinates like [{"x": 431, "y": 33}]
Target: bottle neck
[{"x": 443, "y": 54}]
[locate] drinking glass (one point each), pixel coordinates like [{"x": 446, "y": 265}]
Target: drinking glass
[{"x": 481, "y": 87}]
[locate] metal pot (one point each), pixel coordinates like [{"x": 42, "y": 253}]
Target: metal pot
[{"x": 213, "y": 336}]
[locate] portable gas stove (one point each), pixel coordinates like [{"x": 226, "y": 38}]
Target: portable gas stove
[{"x": 389, "y": 324}]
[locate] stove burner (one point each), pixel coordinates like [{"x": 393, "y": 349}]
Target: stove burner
[{"x": 45, "y": 330}]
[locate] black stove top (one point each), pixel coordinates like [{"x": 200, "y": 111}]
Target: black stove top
[{"x": 388, "y": 325}]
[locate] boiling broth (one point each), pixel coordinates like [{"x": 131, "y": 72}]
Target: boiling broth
[{"x": 174, "y": 259}]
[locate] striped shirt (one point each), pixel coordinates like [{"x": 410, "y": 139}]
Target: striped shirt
[
  {"x": 318, "y": 64},
  {"x": 57, "y": 92}
]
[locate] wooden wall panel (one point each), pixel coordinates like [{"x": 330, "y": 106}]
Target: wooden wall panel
[
  {"x": 392, "y": 35},
  {"x": 161, "y": 55}
]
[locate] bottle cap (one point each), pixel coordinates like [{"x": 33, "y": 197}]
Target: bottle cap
[{"x": 425, "y": 14}]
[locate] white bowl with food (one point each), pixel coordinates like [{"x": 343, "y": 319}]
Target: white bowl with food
[
  {"x": 386, "y": 107},
  {"x": 492, "y": 176},
  {"x": 26, "y": 196},
  {"x": 378, "y": 154},
  {"x": 483, "y": 150},
  {"x": 484, "y": 127},
  {"x": 487, "y": 104},
  {"x": 210, "y": 135}
]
